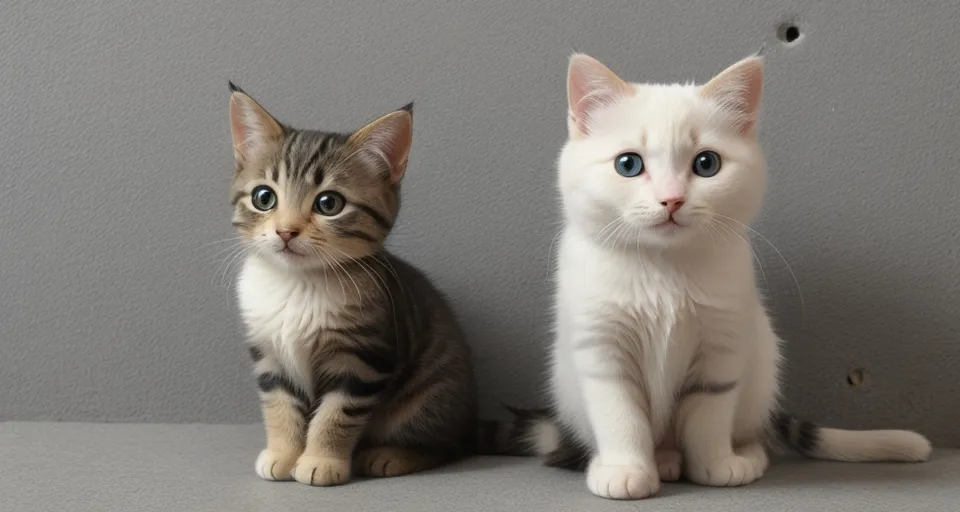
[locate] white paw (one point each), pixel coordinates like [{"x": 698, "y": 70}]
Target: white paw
[
  {"x": 272, "y": 465},
  {"x": 321, "y": 471},
  {"x": 668, "y": 465},
  {"x": 730, "y": 471},
  {"x": 620, "y": 482}
]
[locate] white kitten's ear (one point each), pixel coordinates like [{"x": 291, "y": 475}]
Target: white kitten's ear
[
  {"x": 590, "y": 85},
  {"x": 251, "y": 125},
  {"x": 737, "y": 90},
  {"x": 389, "y": 139}
]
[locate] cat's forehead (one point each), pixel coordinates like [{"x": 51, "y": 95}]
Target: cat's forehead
[{"x": 657, "y": 115}]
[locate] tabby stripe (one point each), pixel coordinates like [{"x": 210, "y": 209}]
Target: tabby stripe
[
  {"x": 379, "y": 362},
  {"x": 256, "y": 354},
  {"x": 710, "y": 388},
  {"x": 379, "y": 219},
  {"x": 349, "y": 233},
  {"x": 808, "y": 437},
  {"x": 359, "y": 410},
  {"x": 366, "y": 331},
  {"x": 356, "y": 386},
  {"x": 275, "y": 171},
  {"x": 271, "y": 381}
]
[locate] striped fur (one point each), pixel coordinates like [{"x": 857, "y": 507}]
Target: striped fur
[{"x": 361, "y": 364}]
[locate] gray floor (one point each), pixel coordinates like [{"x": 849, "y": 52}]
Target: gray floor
[{"x": 106, "y": 468}]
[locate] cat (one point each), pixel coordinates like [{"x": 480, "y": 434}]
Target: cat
[
  {"x": 361, "y": 364},
  {"x": 664, "y": 359}
]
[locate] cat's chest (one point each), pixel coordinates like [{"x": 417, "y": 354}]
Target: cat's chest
[{"x": 285, "y": 309}]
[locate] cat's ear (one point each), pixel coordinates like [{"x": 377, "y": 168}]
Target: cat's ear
[
  {"x": 251, "y": 125},
  {"x": 388, "y": 139},
  {"x": 590, "y": 85},
  {"x": 738, "y": 90}
]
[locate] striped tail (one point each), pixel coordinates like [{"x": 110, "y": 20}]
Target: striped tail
[
  {"x": 531, "y": 433},
  {"x": 818, "y": 442}
]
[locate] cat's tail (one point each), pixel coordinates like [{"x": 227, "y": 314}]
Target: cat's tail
[
  {"x": 531, "y": 433},
  {"x": 818, "y": 442}
]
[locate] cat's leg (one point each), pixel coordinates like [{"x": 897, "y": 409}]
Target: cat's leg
[
  {"x": 390, "y": 461},
  {"x": 423, "y": 427},
  {"x": 668, "y": 457},
  {"x": 337, "y": 424},
  {"x": 616, "y": 406},
  {"x": 706, "y": 418},
  {"x": 282, "y": 405},
  {"x": 758, "y": 396}
]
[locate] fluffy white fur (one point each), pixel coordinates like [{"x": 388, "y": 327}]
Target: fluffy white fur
[{"x": 652, "y": 307}]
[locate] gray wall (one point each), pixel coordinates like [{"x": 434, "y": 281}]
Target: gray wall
[{"x": 116, "y": 160}]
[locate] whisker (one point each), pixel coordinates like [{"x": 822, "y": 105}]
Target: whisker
[
  {"x": 796, "y": 282},
  {"x": 550, "y": 254}
]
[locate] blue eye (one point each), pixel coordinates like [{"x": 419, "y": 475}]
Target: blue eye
[
  {"x": 706, "y": 164},
  {"x": 629, "y": 165},
  {"x": 263, "y": 198}
]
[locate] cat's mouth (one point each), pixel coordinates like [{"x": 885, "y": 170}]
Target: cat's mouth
[
  {"x": 290, "y": 253},
  {"x": 668, "y": 224}
]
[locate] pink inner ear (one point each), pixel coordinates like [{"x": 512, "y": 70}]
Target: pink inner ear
[
  {"x": 739, "y": 90},
  {"x": 391, "y": 140},
  {"x": 590, "y": 85}
]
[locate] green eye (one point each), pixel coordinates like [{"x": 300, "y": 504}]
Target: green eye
[
  {"x": 329, "y": 203},
  {"x": 263, "y": 198}
]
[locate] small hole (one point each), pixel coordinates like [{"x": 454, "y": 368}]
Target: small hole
[
  {"x": 788, "y": 33},
  {"x": 857, "y": 378}
]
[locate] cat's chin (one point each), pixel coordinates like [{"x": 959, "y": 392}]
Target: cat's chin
[
  {"x": 666, "y": 235},
  {"x": 287, "y": 259}
]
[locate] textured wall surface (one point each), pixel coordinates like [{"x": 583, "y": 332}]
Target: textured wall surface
[{"x": 116, "y": 160}]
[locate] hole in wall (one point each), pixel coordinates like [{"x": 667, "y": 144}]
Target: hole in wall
[
  {"x": 789, "y": 33},
  {"x": 858, "y": 378}
]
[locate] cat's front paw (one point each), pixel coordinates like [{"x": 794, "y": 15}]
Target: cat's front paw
[
  {"x": 273, "y": 465},
  {"x": 622, "y": 482},
  {"x": 730, "y": 471},
  {"x": 321, "y": 471}
]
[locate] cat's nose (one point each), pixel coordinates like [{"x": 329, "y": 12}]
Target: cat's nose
[
  {"x": 673, "y": 204},
  {"x": 286, "y": 234}
]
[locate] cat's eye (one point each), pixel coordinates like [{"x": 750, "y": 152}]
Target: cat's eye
[
  {"x": 629, "y": 165},
  {"x": 706, "y": 164},
  {"x": 263, "y": 198},
  {"x": 329, "y": 203}
]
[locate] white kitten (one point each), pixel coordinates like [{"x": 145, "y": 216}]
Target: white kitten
[{"x": 663, "y": 344}]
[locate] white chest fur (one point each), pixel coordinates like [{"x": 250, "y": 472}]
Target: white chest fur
[
  {"x": 286, "y": 310},
  {"x": 661, "y": 307}
]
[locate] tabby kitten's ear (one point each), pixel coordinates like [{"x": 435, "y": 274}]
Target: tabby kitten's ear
[
  {"x": 737, "y": 90},
  {"x": 590, "y": 85},
  {"x": 251, "y": 125},
  {"x": 388, "y": 139}
]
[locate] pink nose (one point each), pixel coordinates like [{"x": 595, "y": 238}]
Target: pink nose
[
  {"x": 672, "y": 204},
  {"x": 286, "y": 235}
]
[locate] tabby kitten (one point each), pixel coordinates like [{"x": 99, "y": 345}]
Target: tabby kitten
[
  {"x": 361, "y": 365},
  {"x": 665, "y": 359}
]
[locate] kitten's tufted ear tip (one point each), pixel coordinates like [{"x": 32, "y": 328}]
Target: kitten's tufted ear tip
[
  {"x": 251, "y": 125},
  {"x": 408, "y": 108}
]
